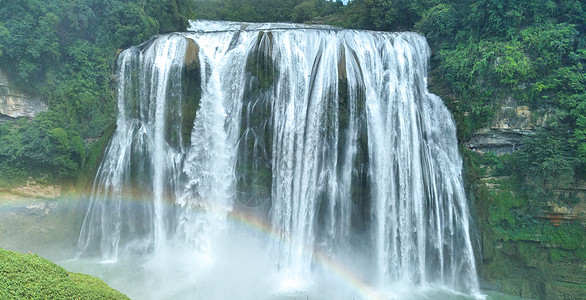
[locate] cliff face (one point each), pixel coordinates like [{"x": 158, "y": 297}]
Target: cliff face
[
  {"x": 511, "y": 124},
  {"x": 541, "y": 259},
  {"x": 528, "y": 247},
  {"x": 15, "y": 103}
]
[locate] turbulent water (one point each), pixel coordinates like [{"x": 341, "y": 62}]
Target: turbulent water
[{"x": 324, "y": 141}]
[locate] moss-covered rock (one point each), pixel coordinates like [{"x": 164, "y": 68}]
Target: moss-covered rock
[
  {"x": 96, "y": 149},
  {"x": 523, "y": 252},
  {"x": 191, "y": 85},
  {"x": 28, "y": 276}
]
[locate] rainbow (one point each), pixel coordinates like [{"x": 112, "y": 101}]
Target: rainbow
[
  {"x": 361, "y": 288},
  {"x": 335, "y": 267}
]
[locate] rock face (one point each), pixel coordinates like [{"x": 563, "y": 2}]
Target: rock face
[
  {"x": 532, "y": 269},
  {"x": 511, "y": 124},
  {"x": 17, "y": 104},
  {"x": 545, "y": 258},
  {"x": 497, "y": 140},
  {"x": 542, "y": 264}
]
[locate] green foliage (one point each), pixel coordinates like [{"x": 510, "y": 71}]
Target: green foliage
[
  {"x": 512, "y": 66},
  {"x": 32, "y": 277},
  {"x": 29, "y": 40},
  {"x": 125, "y": 25},
  {"x": 485, "y": 52},
  {"x": 510, "y": 218},
  {"x": 267, "y": 10},
  {"x": 569, "y": 236},
  {"x": 489, "y": 51},
  {"x": 63, "y": 51},
  {"x": 547, "y": 159},
  {"x": 35, "y": 146},
  {"x": 389, "y": 15},
  {"x": 495, "y": 164},
  {"x": 374, "y": 14},
  {"x": 304, "y": 11},
  {"x": 3, "y": 34},
  {"x": 440, "y": 21},
  {"x": 550, "y": 46},
  {"x": 504, "y": 206}
]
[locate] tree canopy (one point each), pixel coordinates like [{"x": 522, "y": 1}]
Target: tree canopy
[
  {"x": 484, "y": 51},
  {"x": 64, "y": 52}
]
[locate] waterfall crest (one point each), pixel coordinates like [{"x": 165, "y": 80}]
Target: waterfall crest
[{"x": 328, "y": 136}]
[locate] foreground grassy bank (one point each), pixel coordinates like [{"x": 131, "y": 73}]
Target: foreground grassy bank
[{"x": 28, "y": 276}]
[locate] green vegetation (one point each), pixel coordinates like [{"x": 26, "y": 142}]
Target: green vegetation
[
  {"x": 486, "y": 53},
  {"x": 38, "y": 145},
  {"x": 513, "y": 208},
  {"x": 532, "y": 52},
  {"x": 64, "y": 51},
  {"x": 524, "y": 253},
  {"x": 490, "y": 52},
  {"x": 28, "y": 276},
  {"x": 269, "y": 10}
]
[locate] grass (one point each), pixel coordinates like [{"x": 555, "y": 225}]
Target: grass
[{"x": 28, "y": 276}]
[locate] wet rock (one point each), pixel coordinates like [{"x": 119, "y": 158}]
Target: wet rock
[{"x": 192, "y": 55}]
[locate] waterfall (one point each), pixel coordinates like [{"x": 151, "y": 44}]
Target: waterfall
[{"x": 329, "y": 136}]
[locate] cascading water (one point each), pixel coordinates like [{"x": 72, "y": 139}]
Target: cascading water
[{"x": 328, "y": 137}]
